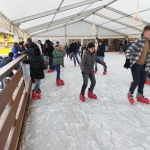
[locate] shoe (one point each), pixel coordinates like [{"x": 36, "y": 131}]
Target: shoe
[
  {"x": 35, "y": 95},
  {"x": 38, "y": 91},
  {"x": 75, "y": 65},
  {"x": 142, "y": 99},
  {"x": 105, "y": 72},
  {"x": 59, "y": 82},
  {"x": 95, "y": 71},
  {"x": 50, "y": 70},
  {"x": 63, "y": 66},
  {"x": 130, "y": 98},
  {"x": 147, "y": 82},
  {"x": 81, "y": 97},
  {"x": 91, "y": 95},
  {"x": 62, "y": 82}
]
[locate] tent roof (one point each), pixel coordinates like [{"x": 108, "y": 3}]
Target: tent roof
[{"x": 36, "y": 16}]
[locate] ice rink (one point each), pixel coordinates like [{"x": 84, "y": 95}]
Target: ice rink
[{"x": 60, "y": 121}]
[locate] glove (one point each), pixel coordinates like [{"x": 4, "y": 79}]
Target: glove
[{"x": 127, "y": 64}]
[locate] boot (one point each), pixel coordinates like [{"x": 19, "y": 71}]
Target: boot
[
  {"x": 130, "y": 98},
  {"x": 59, "y": 82},
  {"x": 63, "y": 66},
  {"x": 75, "y": 65},
  {"x": 95, "y": 71},
  {"x": 105, "y": 72},
  {"x": 51, "y": 70},
  {"x": 38, "y": 91},
  {"x": 81, "y": 97},
  {"x": 62, "y": 82},
  {"x": 91, "y": 95},
  {"x": 147, "y": 82},
  {"x": 142, "y": 99},
  {"x": 35, "y": 95}
]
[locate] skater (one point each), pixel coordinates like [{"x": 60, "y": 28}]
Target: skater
[
  {"x": 82, "y": 50},
  {"x": 73, "y": 51},
  {"x": 78, "y": 47},
  {"x": 87, "y": 64},
  {"x": 59, "y": 54},
  {"x": 121, "y": 47},
  {"x": 138, "y": 59},
  {"x": 68, "y": 50},
  {"x": 36, "y": 71},
  {"x": 101, "y": 55},
  {"x": 49, "y": 49}
]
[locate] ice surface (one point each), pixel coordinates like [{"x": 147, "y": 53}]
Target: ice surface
[{"x": 60, "y": 121}]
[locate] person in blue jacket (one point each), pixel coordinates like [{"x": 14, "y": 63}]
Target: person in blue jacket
[
  {"x": 15, "y": 50},
  {"x": 101, "y": 55}
]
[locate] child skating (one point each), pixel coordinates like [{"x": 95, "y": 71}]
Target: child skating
[
  {"x": 138, "y": 59},
  {"x": 87, "y": 65},
  {"x": 59, "y": 54}
]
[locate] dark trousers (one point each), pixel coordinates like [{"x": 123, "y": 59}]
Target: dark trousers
[
  {"x": 139, "y": 77},
  {"x": 51, "y": 63},
  {"x": 57, "y": 67},
  {"x": 85, "y": 82}
]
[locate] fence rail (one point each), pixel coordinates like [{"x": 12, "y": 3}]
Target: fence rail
[{"x": 13, "y": 101}]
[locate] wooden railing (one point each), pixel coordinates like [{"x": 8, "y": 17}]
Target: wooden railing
[{"x": 13, "y": 100}]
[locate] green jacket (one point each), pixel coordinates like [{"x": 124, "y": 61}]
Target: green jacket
[{"x": 58, "y": 57}]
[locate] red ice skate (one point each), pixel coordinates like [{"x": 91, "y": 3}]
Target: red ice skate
[
  {"x": 63, "y": 66},
  {"x": 35, "y": 95},
  {"x": 147, "y": 82},
  {"x": 130, "y": 98},
  {"x": 95, "y": 71},
  {"x": 81, "y": 97},
  {"x": 59, "y": 82},
  {"x": 50, "y": 70},
  {"x": 105, "y": 72},
  {"x": 38, "y": 91},
  {"x": 75, "y": 65},
  {"x": 142, "y": 99},
  {"x": 91, "y": 95}
]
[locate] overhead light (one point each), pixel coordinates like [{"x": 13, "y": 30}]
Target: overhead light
[
  {"x": 93, "y": 29},
  {"x": 137, "y": 19}
]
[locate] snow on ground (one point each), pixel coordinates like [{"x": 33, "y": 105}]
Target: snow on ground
[{"x": 60, "y": 121}]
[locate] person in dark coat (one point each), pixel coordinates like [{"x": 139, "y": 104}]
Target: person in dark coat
[
  {"x": 49, "y": 48},
  {"x": 3, "y": 63},
  {"x": 73, "y": 51},
  {"x": 100, "y": 55},
  {"x": 36, "y": 71},
  {"x": 21, "y": 47},
  {"x": 87, "y": 64},
  {"x": 29, "y": 51}
]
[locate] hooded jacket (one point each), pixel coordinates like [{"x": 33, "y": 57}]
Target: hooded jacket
[
  {"x": 87, "y": 62},
  {"x": 36, "y": 67}
]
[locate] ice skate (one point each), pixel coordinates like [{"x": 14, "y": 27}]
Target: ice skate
[
  {"x": 50, "y": 70},
  {"x": 147, "y": 82},
  {"x": 91, "y": 95},
  {"x": 35, "y": 95},
  {"x": 105, "y": 72},
  {"x": 130, "y": 98},
  {"x": 38, "y": 91},
  {"x": 59, "y": 82},
  {"x": 95, "y": 71},
  {"x": 81, "y": 97},
  {"x": 75, "y": 65},
  {"x": 142, "y": 99}
]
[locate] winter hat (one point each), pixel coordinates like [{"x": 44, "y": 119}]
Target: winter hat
[
  {"x": 37, "y": 52},
  {"x": 90, "y": 45},
  {"x": 10, "y": 54}
]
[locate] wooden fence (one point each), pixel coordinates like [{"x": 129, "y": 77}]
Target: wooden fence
[{"x": 13, "y": 101}]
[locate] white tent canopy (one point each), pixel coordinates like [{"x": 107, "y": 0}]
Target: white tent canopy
[{"x": 67, "y": 18}]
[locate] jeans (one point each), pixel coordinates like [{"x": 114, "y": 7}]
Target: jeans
[
  {"x": 75, "y": 57},
  {"x": 45, "y": 58},
  {"x": 51, "y": 63},
  {"x": 139, "y": 77},
  {"x": 102, "y": 59},
  {"x": 57, "y": 67},
  {"x": 37, "y": 84},
  {"x": 78, "y": 51},
  {"x": 85, "y": 82}
]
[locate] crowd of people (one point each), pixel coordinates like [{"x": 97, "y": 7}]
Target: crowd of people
[{"x": 41, "y": 56}]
